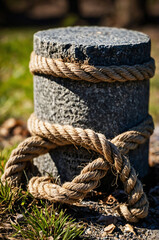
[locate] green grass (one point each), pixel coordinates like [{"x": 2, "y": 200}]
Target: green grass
[
  {"x": 13, "y": 200},
  {"x": 43, "y": 223},
  {"x": 41, "y": 219},
  {"x": 6, "y": 197},
  {"x": 4, "y": 155},
  {"x": 154, "y": 98},
  {"x": 16, "y": 90}
]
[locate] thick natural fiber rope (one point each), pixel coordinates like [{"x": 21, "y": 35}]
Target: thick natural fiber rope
[
  {"x": 75, "y": 71},
  {"x": 48, "y": 136}
]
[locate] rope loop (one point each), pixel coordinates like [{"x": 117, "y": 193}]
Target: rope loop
[
  {"x": 47, "y": 136},
  {"x": 95, "y": 74}
]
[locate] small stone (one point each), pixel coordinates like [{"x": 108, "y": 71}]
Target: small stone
[
  {"x": 120, "y": 236},
  {"x": 20, "y": 217},
  {"x": 88, "y": 231}
]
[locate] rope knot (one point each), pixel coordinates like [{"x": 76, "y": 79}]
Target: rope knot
[{"x": 48, "y": 136}]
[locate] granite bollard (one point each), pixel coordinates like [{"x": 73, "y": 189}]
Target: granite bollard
[{"x": 108, "y": 108}]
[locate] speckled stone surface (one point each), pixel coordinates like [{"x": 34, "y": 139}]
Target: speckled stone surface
[
  {"x": 108, "y": 108},
  {"x": 93, "y": 45}
]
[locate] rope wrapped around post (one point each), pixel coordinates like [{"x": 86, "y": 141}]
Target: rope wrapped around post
[
  {"x": 48, "y": 136},
  {"x": 76, "y": 71},
  {"x": 112, "y": 153}
]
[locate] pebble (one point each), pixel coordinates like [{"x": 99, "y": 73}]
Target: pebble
[
  {"x": 88, "y": 231},
  {"x": 19, "y": 218}
]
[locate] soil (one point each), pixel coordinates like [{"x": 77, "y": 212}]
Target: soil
[{"x": 100, "y": 219}]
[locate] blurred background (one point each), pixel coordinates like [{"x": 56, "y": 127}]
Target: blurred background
[{"x": 20, "y": 19}]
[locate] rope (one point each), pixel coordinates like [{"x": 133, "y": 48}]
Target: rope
[
  {"x": 76, "y": 71},
  {"x": 48, "y": 136}
]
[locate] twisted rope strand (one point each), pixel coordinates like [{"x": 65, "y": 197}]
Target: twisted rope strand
[
  {"x": 137, "y": 135},
  {"x": 48, "y": 136},
  {"x": 75, "y": 71}
]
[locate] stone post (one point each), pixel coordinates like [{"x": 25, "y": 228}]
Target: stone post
[{"x": 108, "y": 108}]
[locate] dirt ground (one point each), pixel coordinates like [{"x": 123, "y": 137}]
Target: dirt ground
[{"x": 100, "y": 219}]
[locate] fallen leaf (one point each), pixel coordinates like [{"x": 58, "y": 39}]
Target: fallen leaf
[
  {"x": 17, "y": 130},
  {"x": 110, "y": 228},
  {"x": 110, "y": 200},
  {"x": 13, "y": 131},
  {"x": 4, "y": 132},
  {"x": 129, "y": 228},
  {"x": 10, "y": 123}
]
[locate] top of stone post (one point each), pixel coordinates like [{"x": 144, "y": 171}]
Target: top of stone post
[{"x": 93, "y": 45}]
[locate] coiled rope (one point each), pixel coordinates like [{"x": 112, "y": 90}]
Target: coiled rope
[
  {"x": 48, "y": 136},
  {"x": 75, "y": 71}
]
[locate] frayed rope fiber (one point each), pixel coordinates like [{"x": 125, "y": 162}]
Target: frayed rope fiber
[{"x": 48, "y": 136}]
